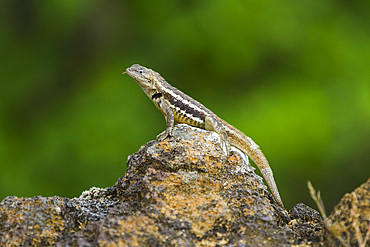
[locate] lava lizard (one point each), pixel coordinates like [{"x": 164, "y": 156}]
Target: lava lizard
[{"x": 180, "y": 108}]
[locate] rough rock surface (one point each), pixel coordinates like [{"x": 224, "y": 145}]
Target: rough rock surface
[
  {"x": 351, "y": 217},
  {"x": 182, "y": 191}
]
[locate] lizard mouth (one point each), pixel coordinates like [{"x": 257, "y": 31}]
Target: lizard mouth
[{"x": 129, "y": 72}]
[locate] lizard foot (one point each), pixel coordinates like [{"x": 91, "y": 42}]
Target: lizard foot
[{"x": 164, "y": 135}]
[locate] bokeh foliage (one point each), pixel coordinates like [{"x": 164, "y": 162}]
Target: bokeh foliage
[{"x": 293, "y": 75}]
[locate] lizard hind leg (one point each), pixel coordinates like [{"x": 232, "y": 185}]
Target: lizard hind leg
[
  {"x": 164, "y": 134},
  {"x": 212, "y": 125}
]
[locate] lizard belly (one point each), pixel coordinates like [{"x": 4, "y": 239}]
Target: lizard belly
[{"x": 181, "y": 117}]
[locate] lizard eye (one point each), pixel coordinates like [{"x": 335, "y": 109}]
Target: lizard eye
[{"x": 140, "y": 71}]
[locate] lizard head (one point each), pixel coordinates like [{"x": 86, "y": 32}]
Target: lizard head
[{"x": 146, "y": 78}]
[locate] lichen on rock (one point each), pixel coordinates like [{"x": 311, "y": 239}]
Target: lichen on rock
[
  {"x": 182, "y": 191},
  {"x": 350, "y": 219}
]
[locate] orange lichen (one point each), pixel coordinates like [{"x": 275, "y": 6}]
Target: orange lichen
[{"x": 165, "y": 145}]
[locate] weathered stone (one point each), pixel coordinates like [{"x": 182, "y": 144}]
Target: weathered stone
[
  {"x": 306, "y": 224},
  {"x": 351, "y": 217},
  {"x": 183, "y": 191}
]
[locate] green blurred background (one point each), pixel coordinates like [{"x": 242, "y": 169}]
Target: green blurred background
[{"x": 293, "y": 75}]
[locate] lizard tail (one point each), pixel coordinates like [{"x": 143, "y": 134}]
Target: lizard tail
[
  {"x": 249, "y": 147},
  {"x": 255, "y": 153},
  {"x": 267, "y": 173}
]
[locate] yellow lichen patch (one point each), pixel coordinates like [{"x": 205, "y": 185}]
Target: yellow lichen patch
[
  {"x": 171, "y": 180},
  {"x": 247, "y": 212},
  {"x": 165, "y": 145},
  {"x": 235, "y": 158},
  {"x": 218, "y": 165},
  {"x": 191, "y": 158},
  {"x": 213, "y": 166},
  {"x": 227, "y": 186},
  {"x": 211, "y": 242},
  {"x": 174, "y": 179},
  {"x": 350, "y": 218},
  {"x": 185, "y": 199},
  {"x": 201, "y": 210},
  {"x": 207, "y": 159},
  {"x": 128, "y": 231},
  {"x": 236, "y": 202},
  {"x": 44, "y": 224}
]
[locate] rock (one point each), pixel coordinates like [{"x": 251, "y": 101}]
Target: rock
[
  {"x": 306, "y": 224},
  {"x": 182, "y": 191},
  {"x": 351, "y": 217}
]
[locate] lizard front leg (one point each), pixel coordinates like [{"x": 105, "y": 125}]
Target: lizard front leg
[{"x": 170, "y": 120}]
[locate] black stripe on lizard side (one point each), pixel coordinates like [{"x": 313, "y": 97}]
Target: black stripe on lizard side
[
  {"x": 156, "y": 95},
  {"x": 187, "y": 108}
]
